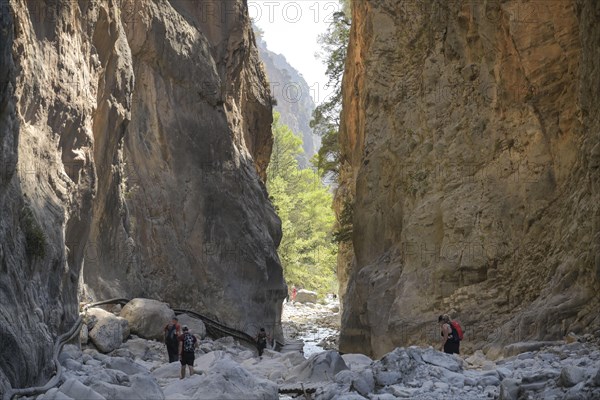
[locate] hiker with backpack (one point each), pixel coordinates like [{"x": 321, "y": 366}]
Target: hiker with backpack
[
  {"x": 187, "y": 350},
  {"x": 261, "y": 341},
  {"x": 172, "y": 332},
  {"x": 452, "y": 334}
]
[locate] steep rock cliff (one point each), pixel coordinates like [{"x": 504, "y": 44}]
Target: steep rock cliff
[
  {"x": 135, "y": 138},
  {"x": 470, "y": 140}
]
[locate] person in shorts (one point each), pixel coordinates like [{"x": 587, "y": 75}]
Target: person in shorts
[{"x": 187, "y": 348}]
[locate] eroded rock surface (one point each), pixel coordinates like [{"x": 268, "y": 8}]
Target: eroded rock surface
[
  {"x": 470, "y": 142},
  {"x": 134, "y": 140},
  {"x": 147, "y": 318},
  {"x": 106, "y": 330}
]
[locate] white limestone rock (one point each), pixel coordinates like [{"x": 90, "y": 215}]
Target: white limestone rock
[
  {"x": 447, "y": 361},
  {"x": 147, "y": 318},
  {"x": 141, "y": 387},
  {"x": 122, "y": 364},
  {"x": 226, "y": 380},
  {"x": 108, "y": 331},
  {"x": 306, "y": 296},
  {"x": 77, "y": 390},
  {"x": 571, "y": 376},
  {"x": 318, "y": 368},
  {"x": 357, "y": 361}
]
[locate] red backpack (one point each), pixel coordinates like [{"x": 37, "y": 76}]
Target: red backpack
[{"x": 456, "y": 327}]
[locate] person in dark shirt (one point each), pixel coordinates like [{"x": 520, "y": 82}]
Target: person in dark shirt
[
  {"x": 261, "y": 341},
  {"x": 172, "y": 332},
  {"x": 187, "y": 349},
  {"x": 450, "y": 341}
]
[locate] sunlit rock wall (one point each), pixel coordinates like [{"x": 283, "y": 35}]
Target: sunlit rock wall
[{"x": 470, "y": 141}]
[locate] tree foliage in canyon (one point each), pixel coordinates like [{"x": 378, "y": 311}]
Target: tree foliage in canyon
[
  {"x": 326, "y": 117},
  {"x": 303, "y": 202}
]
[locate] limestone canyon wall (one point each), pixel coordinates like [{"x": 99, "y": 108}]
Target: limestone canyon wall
[
  {"x": 470, "y": 142},
  {"x": 135, "y": 137}
]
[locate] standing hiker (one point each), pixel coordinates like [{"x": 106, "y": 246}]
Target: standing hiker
[
  {"x": 261, "y": 341},
  {"x": 294, "y": 292},
  {"x": 451, "y": 334},
  {"x": 172, "y": 332},
  {"x": 187, "y": 350}
]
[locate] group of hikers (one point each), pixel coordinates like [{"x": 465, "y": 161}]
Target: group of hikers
[{"x": 182, "y": 344}]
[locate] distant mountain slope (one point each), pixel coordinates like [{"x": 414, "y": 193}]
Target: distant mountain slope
[{"x": 293, "y": 95}]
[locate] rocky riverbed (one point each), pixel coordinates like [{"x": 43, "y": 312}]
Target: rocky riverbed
[
  {"x": 317, "y": 324},
  {"x": 226, "y": 369}
]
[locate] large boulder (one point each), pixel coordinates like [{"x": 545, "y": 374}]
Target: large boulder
[
  {"x": 357, "y": 362},
  {"x": 571, "y": 376},
  {"x": 318, "y": 368},
  {"x": 306, "y": 296},
  {"x": 195, "y": 325},
  {"x": 509, "y": 389},
  {"x": 362, "y": 382},
  {"x": 147, "y": 318},
  {"x": 108, "y": 331},
  {"x": 447, "y": 361}
]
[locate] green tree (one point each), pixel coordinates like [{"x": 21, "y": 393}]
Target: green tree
[
  {"x": 326, "y": 117},
  {"x": 307, "y": 252}
]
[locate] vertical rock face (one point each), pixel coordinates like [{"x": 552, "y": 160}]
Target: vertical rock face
[
  {"x": 134, "y": 137},
  {"x": 470, "y": 139}
]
